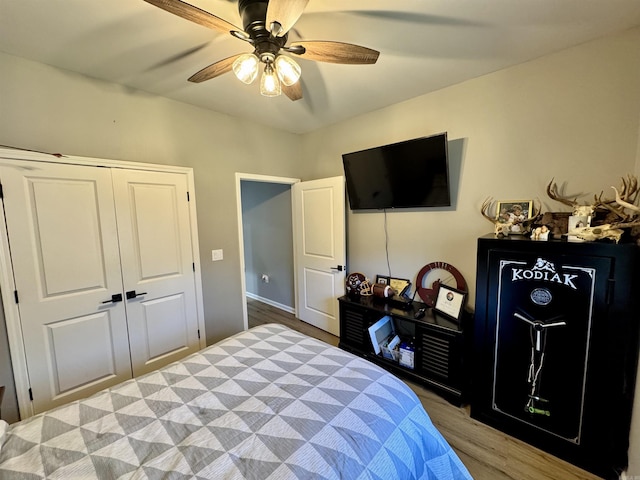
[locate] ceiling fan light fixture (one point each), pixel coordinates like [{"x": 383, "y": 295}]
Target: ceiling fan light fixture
[
  {"x": 246, "y": 67},
  {"x": 269, "y": 83},
  {"x": 288, "y": 70}
]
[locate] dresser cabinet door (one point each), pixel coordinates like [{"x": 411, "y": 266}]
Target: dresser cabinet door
[
  {"x": 439, "y": 356},
  {"x": 354, "y": 324}
]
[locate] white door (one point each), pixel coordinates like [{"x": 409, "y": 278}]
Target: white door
[
  {"x": 64, "y": 248},
  {"x": 158, "y": 271},
  {"x": 319, "y": 231}
]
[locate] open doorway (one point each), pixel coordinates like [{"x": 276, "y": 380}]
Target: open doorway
[
  {"x": 266, "y": 241},
  {"x": 318, "y": 248}
]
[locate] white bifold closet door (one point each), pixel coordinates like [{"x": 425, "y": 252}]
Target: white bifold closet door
[
  {"x": 103, "y": 270},
  {"x": 157, "y": 266}
]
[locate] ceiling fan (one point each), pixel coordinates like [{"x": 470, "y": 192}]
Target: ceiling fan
[{"x": 266, "y": 24}]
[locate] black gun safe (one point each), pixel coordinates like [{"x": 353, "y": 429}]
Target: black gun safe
[{"x": 556, "y": 346}]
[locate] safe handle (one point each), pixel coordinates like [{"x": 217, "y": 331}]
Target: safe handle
[
  {"x": 116, "y": 297},
  {"x": 132, "y": 294}
]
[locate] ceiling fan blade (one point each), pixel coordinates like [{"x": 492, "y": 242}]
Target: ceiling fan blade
[
  {"x": 214, "y": 70},
  {"x": 195, "y": 14},
  {"x": 336, "y": 52},
  {"x": 284, "y": 12},
  {"x": 294, "y": 92}
]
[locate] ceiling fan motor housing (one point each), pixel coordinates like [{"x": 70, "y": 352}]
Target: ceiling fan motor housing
[{"x": 253, "y": 14}]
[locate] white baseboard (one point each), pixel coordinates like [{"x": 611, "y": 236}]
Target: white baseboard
[{"x": 286, "y": 308}]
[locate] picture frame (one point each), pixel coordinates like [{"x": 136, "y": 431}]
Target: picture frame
[
  {"x": 450, "y": 302},
  {"x": 400, "y": 285},
  {"x": 577, "y": 221},
  {"x": 514, "y": 213}
]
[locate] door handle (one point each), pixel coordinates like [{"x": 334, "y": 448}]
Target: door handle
[
  {"x": 116, "y": 297},
  {"x": 132, "y": 294},
  {"x": 338, "y": 268}
]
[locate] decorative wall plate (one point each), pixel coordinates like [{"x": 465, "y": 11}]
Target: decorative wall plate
[{"x": 432, "y": 275}]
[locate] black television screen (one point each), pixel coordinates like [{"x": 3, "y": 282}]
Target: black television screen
[{"x": 409, "y": 174}]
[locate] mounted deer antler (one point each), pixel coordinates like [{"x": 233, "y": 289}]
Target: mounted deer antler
[
  {"x": 552, "y": 191},
  {"x": 577, "y": 209},
  {"x": 614, "y": 231},
  {"x": 500, "y": 228},
  {"x": 628, "y": 192},
  {"x": 623, "y": 200}
]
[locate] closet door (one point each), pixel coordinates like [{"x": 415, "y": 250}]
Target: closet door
[
  {"x": 158, "y": 274},
  {"x": 64, "y": 248}
]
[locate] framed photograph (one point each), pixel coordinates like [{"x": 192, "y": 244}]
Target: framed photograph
[
  {"x": 400, "y": 285},
  {"x": 382, "y": 279},
  {"x": 514, "y": 213},
  {"x": 450, "y": 302},
  {"x": 577, "y": 221}
]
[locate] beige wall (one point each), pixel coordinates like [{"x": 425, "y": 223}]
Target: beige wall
[
  {"x": 574, "y": 115},
  {"x": 47, "y": 109}
]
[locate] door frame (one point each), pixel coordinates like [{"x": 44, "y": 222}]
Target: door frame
[
  {"x": 243, "y": 281},
  {"x": 7, "y": 284}
]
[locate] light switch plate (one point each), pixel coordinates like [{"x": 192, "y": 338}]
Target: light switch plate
[{"x": 216, "y": 255}]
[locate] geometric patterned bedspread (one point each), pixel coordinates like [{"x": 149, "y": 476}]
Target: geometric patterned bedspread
[{"x": 268, "y": 403}]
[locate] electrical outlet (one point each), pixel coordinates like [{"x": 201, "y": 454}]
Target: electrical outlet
[{"x": 216, "y": 255}]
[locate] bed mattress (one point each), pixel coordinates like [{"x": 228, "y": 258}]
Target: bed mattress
[{"x": 268, "y": 403}]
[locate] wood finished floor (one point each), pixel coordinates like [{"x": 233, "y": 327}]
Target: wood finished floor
[{"x": 487, "y": 453}]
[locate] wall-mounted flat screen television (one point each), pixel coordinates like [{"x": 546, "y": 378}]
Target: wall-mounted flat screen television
[{"x": 409, "y": 174}]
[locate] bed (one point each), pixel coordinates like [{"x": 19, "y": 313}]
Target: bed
[{"x": 268, "y": 403}]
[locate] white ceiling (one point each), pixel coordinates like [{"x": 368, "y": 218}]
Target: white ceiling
[{"x": 425, "y": 45}]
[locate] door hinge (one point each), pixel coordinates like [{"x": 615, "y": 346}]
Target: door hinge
[
  {"x": 1, "y": 192},
  {"x": 611, "y": 284},
  {"x": 15, "y": 295},
  {"x": 188, "y": 197},
  {"x": 198, "y": 334},
  {"x": 30, "y": 395},
  {"x": 194, "y": 266}
]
